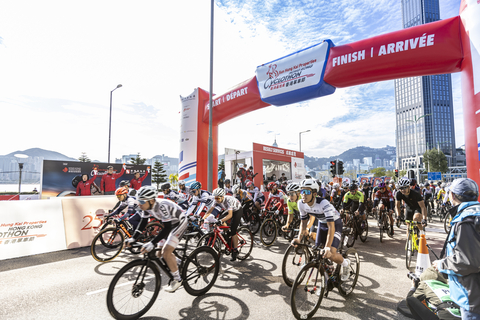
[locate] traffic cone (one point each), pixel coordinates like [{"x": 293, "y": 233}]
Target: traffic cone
[{"x": 423, "y": 259}]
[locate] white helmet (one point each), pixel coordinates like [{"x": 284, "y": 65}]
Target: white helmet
[
  {"x": 219, "y": 192},
  {"x": 310, "y": 183},
  {"x": 345, "y": 184},
  {"x": 147, "y": 193},
  {"x": 336, "y": 185},
  {"x": 443, "y": 185},
  {"x": 293, "y": 187},
  {"x": 404, "y": 182},
  {"x": 235, "y": 189}
]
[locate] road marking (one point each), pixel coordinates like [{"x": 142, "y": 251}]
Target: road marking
[{"x": 120, "y": 285}]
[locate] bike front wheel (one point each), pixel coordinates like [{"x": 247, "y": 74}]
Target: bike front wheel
[
  {"x": 268, "y": 232},
  {"x": 245, "y": 243},
  {"x": 200, "y": 271},
  {"x": 107, "y": 244},
  {"x": 133, "y": 290},
  {"x": 346, "y": 287},
  {"x": 293, "y": 261},
  {"x": 409, "y": 250},
  {"x": 363, "y": 232},
  {"x": 307, "y": 291}
]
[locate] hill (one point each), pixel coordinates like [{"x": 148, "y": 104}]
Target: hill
[{"x": 46, "y": 154}]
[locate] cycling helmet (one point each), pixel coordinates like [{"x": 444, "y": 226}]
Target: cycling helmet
[
  {"x": 195, "y": 185},
  {"x": 121, "y": 191},
  {"x": 443, "y": 185},
  {"x": 227, "y": 181},
  {"x": 249, "y": 184},
  {"x": 421, "y": 185},
  {"x": 271, "y": 185},
  {"x": 427, "y": 184},
  {"x": 310, "y": 183},
  {"x": 439, "y": 183},
  {"x": 353, "y": 186},
  {"x": 382, "y": 185},
  {"x": 236, "y": 189},
  {"x": 345, "y": 184},
  {"x": 147, "y": 193},
  {"x": 404, "y": 182},
  {"x": 165, "y": 186},
  {"x": 181, "y": 182},
  {"x": 219, "y": 192},
  {"x": 124, "y": 183},
  {"x": 293, "y": 187},
  {"x": 336, "y": 185}
]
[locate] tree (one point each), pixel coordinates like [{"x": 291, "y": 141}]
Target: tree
[
  {"x": 221, "y": 165},
  {"x": 173, "y": 178},
  {"x": 84, "y": 157},
  {"x": 402, "y": 173},
  {"x": 158, "y": 174},
  {"x": 390, "y": 173},
  {"x": 435, "y": 161},
  {"x": 138, "y": 160},
  {"x": 379, "y": 172}
]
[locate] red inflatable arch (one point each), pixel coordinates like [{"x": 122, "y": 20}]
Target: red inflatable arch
[{"x": 445, "y": 46}]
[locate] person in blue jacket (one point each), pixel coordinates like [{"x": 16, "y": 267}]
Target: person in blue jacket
[{"x": 462, "y": 248}]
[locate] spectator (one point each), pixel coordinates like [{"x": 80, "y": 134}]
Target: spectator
[
  {"x": 84, "y": 186},
  {"x": 283, "y": 178},
  {"x": 107, "y": 185},
  {"x": 136, "y": 182},
  {"x": 221, "y": 178},
  {"x": 250, "y": 174}
]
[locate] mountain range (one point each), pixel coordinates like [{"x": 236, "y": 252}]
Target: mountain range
[{"x": 46, "y": 154}]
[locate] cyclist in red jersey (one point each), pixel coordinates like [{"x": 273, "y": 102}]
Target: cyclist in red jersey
[
  {"x": 384, "y": 199},
  {"x": 276, "y": 194}
]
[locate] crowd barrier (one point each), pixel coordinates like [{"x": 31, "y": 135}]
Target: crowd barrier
[{"x": 34, "y": 227}]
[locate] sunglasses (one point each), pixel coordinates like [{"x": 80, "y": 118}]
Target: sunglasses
[
  {"x": 291, "y": 193},
  {"x": 403, "y": 188},
  {"x": 142, "y": 202},
  {"x": 218, "y": 198},
  {"x": 306, "y": 192}
]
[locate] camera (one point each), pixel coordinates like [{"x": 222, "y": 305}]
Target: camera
[{"x": 414, "y": 277}]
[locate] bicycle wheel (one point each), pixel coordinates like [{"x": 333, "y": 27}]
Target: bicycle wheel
[
  {"x": 107, "y": 244},
  {"x": 290, "y": 234},
  {"x": 211, "y": 240},
  {"x": 363, "y": 231},
  {"x": 349, "y": 231},
  {"x": 133, "y": 290},
  {"x": 268, "y": 232},
  {"x": 346, "y": 287},
  {"x": 245, "y": 243},
  {"x": 200, "y": 271},
  {"x": 409, "y": 250},
  {"x": 446, "y": 222},
  {"x": 307, "y": 291},
  {"x": 255, "y": 223},
  {"x": 293, "y": 261}
]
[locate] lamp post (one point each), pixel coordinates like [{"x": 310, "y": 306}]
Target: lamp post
[
  {"x": 416, "y": 147},
  {"x": 20, "y": 161},
  {"x": 300, "y": 140},
  {"x": 110, "y": 122}
]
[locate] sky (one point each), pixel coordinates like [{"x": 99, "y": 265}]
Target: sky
[{"x": 59, "y": 61}]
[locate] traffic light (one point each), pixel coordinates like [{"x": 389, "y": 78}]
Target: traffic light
[
  {"x": 340, "y": 167},
  {"x": 333, "y": 167},
  {"x": 396, "y": 173},
  {"x": 411, "y": 174}
]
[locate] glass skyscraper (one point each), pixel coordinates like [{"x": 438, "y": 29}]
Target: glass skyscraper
[{"x": 418, "y": 96}]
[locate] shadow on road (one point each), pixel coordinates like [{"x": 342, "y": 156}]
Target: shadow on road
[{"x": 216, "y": 306}]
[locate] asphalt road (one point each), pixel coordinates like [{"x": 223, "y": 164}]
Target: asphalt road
[{"x": 72, "y": 285}]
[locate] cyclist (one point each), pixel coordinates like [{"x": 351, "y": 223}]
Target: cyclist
[
  {"x": 293, "y": 192},
  {"x": 240, "y": 194},
  {"x": 228, "y": 187},
  {"x": 174, "y": 226},
  {"x": 84, "y": 187},
  {"x": 414, "y": 202},
  {"x": 336, "y": 195},
  {"x": 354, "y": 199},
  {"x": 257, "y": 196},
  {"x": 275, "y": 194},
  {"x": 200, "y": 199},
  {"x": 232, "y": 206},
  {"x": 130, "y": 202},
  {"x": 136, "y": 182},
  {"x": 384, "y": 199},
  {"x": 183, "y": 189},
  {"x": 427, "y": 194},
  {"x": 329, "y": 223},
  {"x": 173, "y": 195}
]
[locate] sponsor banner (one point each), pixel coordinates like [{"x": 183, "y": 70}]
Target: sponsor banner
[
  {"x": 296, "y": 77},
  {"x": 187, "y": 167},
  {"x": 276, "y": 151},
  {"x": 298, "y": 169},
  {"x": 30, "y": 227},
  {"x": 83, "y": 217},
  {"x": 58, "y": 176}
]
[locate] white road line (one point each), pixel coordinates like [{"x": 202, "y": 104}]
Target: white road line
[{"x": 120, "y": 285}]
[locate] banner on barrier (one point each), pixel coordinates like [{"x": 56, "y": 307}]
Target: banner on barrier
[
  {"x": 295, "y": 77},
  {"x": 30, "y": 227}
]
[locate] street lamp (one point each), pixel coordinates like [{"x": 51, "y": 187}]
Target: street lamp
[
  {"x": 416, "y": 147},
  {"x": 20, "y": 159},
  {"x": 300, "y": 140},
  {"x": 110, "y": 122}
]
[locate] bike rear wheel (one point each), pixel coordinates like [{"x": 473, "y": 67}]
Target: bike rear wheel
[
  {"x": 245, "y": 243},
  {"x": 107, "y": 244},
  {"x": 200, "y": 271},
  {"x": 293, "y": 261},
  {"x": 307, "y": 291},
  {"x": 346, "y": 287},
  {"x": 133, "y": 290},
  {"x": 268, "y": 232}
]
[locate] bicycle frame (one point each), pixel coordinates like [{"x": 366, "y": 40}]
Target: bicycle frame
[
  {"x": 217, "y": 233},
  {"x": 412, "y": 229}
]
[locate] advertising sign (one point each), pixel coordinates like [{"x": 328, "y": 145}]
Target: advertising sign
[
  {"x": 298, "y": 169},
  {"x": 30, "y": 227},
  {"x": 295, "y": 77},
  {"x": 187, "y": 166},
  {"x": 58, "y": 176}
]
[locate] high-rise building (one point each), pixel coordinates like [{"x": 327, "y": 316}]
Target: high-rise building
[{"x": 419, "y": 96}]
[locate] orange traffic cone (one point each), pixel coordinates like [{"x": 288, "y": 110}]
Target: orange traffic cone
[{"x": 423, "y": 259}]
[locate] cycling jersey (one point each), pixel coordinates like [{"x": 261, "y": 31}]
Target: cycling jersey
[
  {"x": 441, "y": 194},
  {"x": 243, "y": 195},
  {"x": 427, "y": 193},
  {"x": 228, "y": 190},
  {"x": 321, "y": 209},
  {"x": 205, "y": 199},
  {"x": 366, "y": 192},
  {"x": 292, "y": 207},
  {"x": 411, "y": 200},
  {"x": 357, "y": 197},
  {"x": 107, "y": 183},
  {"x": 228, "y": 203},
  {"x": 131, "y": 203},
  {"x": 137, "y": 183},
  {"x": 178, "y": 198},
  {"x": 278, "y": 195},
  {"x": 386, "y": 198},
  {"x": 84, "y": 187},
  {"x": 256, "y": 194}
]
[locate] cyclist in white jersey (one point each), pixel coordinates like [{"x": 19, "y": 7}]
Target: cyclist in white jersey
[
  {"x": 201, "y": 197},
  {"x": 329, "y": 223},
  {"x": 178, "y": 198},
  {"x": 174, "y": 226},
  {"x": 257, "y": 195}
]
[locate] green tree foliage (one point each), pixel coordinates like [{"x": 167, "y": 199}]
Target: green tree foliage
[
  {"x": 402, "y": 173},
  {"x": 158, "y": 174},
  {"x": 379, "y": 172},
  {"x": 221, "y": 165},
  {"x": 173, "y": 179},
  {"x": 138, "y": 160},
  {"x": 84, "y": 157},
  {"x": 435, "y": 161}
]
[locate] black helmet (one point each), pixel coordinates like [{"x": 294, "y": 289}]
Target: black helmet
[
  {"x": 227, "y": 181},
  {"x": 165, "y": 186},
  {"x": 125, "y": 183},
  {"x": 353, "y": 186}
]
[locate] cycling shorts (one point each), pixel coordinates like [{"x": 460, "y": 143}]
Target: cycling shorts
[
  {"x": 177, "y": 233},
  {"x": 260, "y": 200},
  {"x": 323, "y": 232}
]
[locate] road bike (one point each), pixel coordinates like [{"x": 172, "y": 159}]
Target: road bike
[
  {"x": 109, "y": 242},
  {"x": 317, "y": 278},
  {"x": 272, "y": 227},
  {"x": 135, "y": 288},
  {"x": 446, "y": 222},
  {"x": 220, "y": 240},
  {"x": 250, "y": 216},
  {"x": 400, "y": 218},
  {"x": 356, "y": 227},
  {"x": 384, "y": 224},
  {"x": 411, "y": 246}
]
